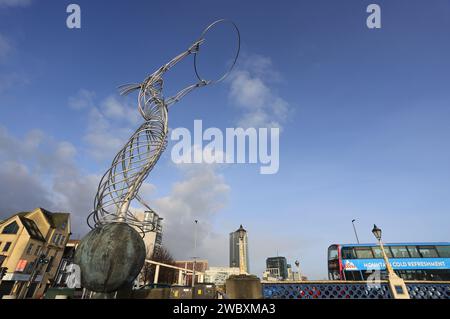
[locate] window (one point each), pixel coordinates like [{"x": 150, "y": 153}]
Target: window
[
  {"x": 29, "y": 268},
  {"x": 332, "y": 253},
  {"x": 444, "y": 251},
  {"x": 50, "y": 264},
  {"x": 400, "y": 251},
  {"x": 55, "y": 238},
  {"x": 7, "y": 245},
  {"x": 413, "y": 251},
  {"x": 36, "y": 252},
  {"x": 63, "y": 238},
  {"x": 32, "y": 228},
  {"x": 334, "y": 275},
  {"x": 353, "y": 275},
  {"x": 428, "y": 252},
  {"x": 388, "y": 251},
  {"x": 348, "y": 253},
  {"x": 379, "y": 255},
  {"x": 11, "y": 229},
  {"x": 30, "y": 248},
  {"x": 364, "y": 253}
]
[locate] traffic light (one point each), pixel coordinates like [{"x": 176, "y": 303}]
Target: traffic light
[{"x": 3, "y": 272}]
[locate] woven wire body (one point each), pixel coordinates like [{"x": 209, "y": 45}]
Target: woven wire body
[
  {"x": 132, "y": 164},
  {"x": 120, "y": 184}
]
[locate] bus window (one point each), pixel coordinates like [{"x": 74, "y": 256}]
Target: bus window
[
  {"x": 444, "y": 251},
  {"x": 348, "y": 253},
  {"x": 413, "y": 251},
  {"x": 332, "y": 253},
  {"x": 428, "y": 252},
  {"x": 364, "y": 252},
  {"x": 333, "y": 263},
  {"x": 400, "y": 252},
  {"x": 353, "y": 275},
  {"x": 440, "y": 274},
  {"x": 377, "y": 252}
]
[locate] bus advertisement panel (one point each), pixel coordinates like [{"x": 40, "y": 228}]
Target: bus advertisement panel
[{"x": 400, "y": 264}]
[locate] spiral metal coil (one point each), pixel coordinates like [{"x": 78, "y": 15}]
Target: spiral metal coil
[{"x": 132, "y": 164}]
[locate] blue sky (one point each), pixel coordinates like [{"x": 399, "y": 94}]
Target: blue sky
[{"x": 364, "y": 126}]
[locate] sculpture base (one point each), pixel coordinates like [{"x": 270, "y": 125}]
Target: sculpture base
[
  {"x": 243, "y": 287},
  {"x": 110, "y": 257}
]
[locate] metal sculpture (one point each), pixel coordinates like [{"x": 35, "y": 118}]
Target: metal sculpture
[
  {"x": 113, "y": 252},
  {"x": 132, "y": 164}
]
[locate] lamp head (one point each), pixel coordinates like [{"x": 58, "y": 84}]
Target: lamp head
[
  {"x": 376, "y": 232},
  {"x": 242, "y": 232}
]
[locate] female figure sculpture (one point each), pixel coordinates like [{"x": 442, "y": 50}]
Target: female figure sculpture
[{"x": 113, "y": 253}]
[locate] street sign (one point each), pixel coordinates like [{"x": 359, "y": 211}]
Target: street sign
[{"x": 21, "y": 265}]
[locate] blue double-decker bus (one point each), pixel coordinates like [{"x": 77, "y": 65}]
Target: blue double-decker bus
[{"x": 411, "y": 261}]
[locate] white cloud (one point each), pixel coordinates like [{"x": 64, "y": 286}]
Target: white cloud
[
  {"x": 83, "y": 99},
  {"x": 110, "y": 122},
  {"x": 20, "y": 190},
  {"x": 199, "y": 196},
  {"x": 14, "y": 3},
  {"x": 116, "y": 110},
  {"x": 250, "y": 90},
  {"x": 37, "y": 171},
  {"x": 102, "y": 138}
]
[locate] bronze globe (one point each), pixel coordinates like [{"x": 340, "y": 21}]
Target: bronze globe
[{"x": 109, "y": 257}]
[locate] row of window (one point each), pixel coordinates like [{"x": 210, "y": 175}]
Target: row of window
[
  {"x": 13, "y": 228},
  {"x": 58, "y": 239},
  {"x": 416, "y": 274},
  {"x": 396, "y": 252},
  {"x": 30, "y": 249}
]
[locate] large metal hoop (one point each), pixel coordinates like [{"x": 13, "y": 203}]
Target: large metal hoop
[{"x": 197, "y": 73}]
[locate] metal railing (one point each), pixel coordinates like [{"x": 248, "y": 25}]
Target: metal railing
[{"x": 351, "y": 290}]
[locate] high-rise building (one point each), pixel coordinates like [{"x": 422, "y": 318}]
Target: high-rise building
[
  {"x": 277, "y": 267},
  {"x": 153, "y": 235},
  {"x": 234, "y": 250}
]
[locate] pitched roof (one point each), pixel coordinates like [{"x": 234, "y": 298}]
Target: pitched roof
[
  {"x": 32, "y": 228},
  {"x": 17, "y": 214},
  {"x": 55, "y": 219}
]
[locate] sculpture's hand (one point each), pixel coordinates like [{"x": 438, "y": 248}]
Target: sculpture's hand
[{"x": 174, "y": 99}]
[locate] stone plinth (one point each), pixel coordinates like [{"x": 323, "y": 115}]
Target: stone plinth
[{"x": 243, "y": 287}]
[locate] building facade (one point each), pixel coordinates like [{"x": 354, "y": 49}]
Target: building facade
[
  {"x": 67, "y": 267},
  {"x": 277, "y": 267},
  {"x": 234, "y": 251},
  {"x": 219, "y": 275},
  {"x": 31, "y": 247}
]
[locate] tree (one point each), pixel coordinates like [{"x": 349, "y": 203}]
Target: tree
[{"x": 166, "y": 275}]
